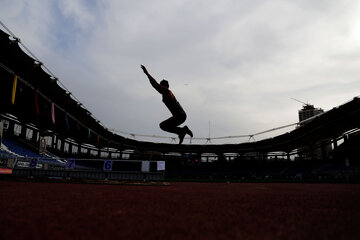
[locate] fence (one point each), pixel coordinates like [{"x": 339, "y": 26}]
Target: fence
[{"x": 105, "y": 169}]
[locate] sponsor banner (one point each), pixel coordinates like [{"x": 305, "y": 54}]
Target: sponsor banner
[
  {"x": 5, "y": 171},
  {"x": 145, "y": 166},
  {"x": 22, "y": 164},
  {"x": 108, "y": 165},
  {"x": 70, "y": 164},
  {"x": 161, "y": 165},
  {"x": 3, "y": 162}
]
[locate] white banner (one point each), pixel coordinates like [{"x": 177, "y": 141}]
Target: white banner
[
  {"x": 145, "y": 166},
  {"x": 161, "y": 165}
]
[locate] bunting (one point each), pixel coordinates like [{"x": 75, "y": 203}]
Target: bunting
[
  {"x": 37, "y": 102},
  {"x": 88, "y": 135},
  {"x": 14, "y": 90},
  {"x": 53, "y": 112},
  {"x": 67, "y": 122}
]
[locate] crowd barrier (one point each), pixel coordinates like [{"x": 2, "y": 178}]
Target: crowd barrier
[{"x": 102, "y": 169}]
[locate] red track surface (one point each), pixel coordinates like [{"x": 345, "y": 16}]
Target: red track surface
[{"x": 31, "y": 210}]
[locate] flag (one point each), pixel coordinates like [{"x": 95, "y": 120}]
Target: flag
[
  {"x": 37, "y": 103},
  {"x": 88, "y": 135},
  {"x": 14, "y": 90},
  {"x": 53, "y": 112},
  {"x": 67, "y": 122}
]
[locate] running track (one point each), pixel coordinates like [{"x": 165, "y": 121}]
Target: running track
[{"x": 43, "y": 210}]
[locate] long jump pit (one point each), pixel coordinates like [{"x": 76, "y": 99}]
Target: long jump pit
[{"x": 177, "y": 210}]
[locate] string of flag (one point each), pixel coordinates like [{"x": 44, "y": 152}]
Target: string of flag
[{"x": 53, "y": 105}]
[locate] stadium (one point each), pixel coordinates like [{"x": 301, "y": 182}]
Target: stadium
[{"x": 65, "y": 175}]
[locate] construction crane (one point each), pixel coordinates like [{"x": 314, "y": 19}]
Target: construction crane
[{"x": 305, "y": 104}]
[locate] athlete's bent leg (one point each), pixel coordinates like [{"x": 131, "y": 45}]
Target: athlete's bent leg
[{"x": 171, "y": 125}]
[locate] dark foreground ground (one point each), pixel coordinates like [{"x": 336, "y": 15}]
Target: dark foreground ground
[{"x": 38, "y": 210}]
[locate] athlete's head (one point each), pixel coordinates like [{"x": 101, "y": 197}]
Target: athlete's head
[{"x": 164, "y": 83}]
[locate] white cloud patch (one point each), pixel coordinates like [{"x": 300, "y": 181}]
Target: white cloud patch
[{"x": 78, "y": 12}]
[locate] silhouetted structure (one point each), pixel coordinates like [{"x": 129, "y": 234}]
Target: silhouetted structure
[
  {"x": 309, "y": 111},
  {"x": 39, "y": 107}
]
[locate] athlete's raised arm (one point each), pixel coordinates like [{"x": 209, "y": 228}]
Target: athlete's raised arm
[{"x": 154, "y": 83}]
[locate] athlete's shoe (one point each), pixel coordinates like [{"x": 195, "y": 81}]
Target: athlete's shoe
[
  {"x": 181, "y": 137},
  {"x": 188, "y": 131}
]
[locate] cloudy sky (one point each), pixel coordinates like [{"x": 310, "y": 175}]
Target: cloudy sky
[{"x": 233, "y": 64}]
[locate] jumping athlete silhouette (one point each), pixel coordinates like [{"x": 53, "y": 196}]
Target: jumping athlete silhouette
[{"x": 178, "y": 114}]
